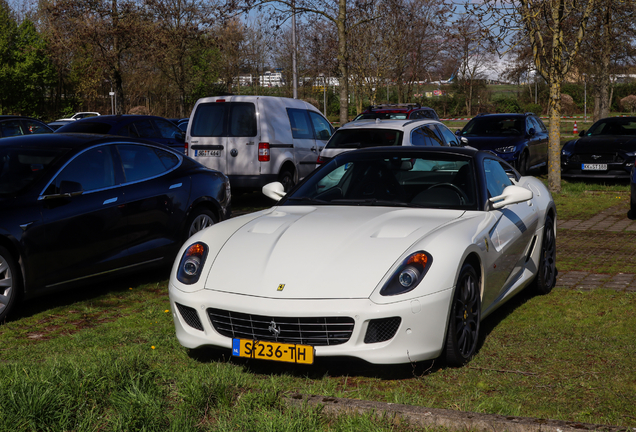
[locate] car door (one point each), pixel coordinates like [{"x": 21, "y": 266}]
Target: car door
[
  {"x": 540, "y": 141},
  {"x": 85, "y": 232},
  {"x": 155, "y": 201},
  {"x": 322, "y": 130},
  {"x": 509, "y": 237}
]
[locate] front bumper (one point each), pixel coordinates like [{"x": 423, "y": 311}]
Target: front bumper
[{"x": 420, "y": 335}]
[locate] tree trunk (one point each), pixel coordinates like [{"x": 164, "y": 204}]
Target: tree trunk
[
  {"x": 554, "y": 147},
  {"x": 343, "y": 64}
]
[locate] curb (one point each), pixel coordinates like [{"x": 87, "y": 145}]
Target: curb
[{"x": 453, "y": 420}]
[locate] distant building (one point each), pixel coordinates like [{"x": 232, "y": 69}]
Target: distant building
[{"x": 271, "y": 79}]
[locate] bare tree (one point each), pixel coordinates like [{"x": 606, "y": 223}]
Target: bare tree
[{"x": 555, "y": 30}]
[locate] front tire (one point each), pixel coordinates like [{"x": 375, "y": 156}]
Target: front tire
[
  {"x": 286, "y": 178},
  {"x": 547, "y": 272},
  {"x": 524, "y": 164},
  {"x": 463, "y": 326},
  {"x": 199, "y": 220},
  {"x": 9, "y": 284}
]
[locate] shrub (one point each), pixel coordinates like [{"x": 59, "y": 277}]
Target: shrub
[
  {"x": 568, "y": 107},
  {"x": 628, "y": 103}
]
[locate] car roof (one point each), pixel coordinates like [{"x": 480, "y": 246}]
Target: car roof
[
  {"x": 395, "y": 107},
  {"x": 383, "y": 124},
  {"x": 115, "y": 119},
  {"x": 68, "y": 140},
  {"x": 11, "y": 117},
  {"x": 465, "y": 151}
]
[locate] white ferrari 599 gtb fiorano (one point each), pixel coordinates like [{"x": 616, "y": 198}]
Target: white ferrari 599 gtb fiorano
[{"x": 390, "y": 255}]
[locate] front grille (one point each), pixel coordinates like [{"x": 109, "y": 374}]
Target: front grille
[
  {"x": 321, "y": 331},
  {"x": 381, "y": 330},
  {"x": 190, "y": 316},
  {"x": 598, "y": 158}
]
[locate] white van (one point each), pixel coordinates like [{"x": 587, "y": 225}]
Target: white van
[{"x": 255, "y": 140}]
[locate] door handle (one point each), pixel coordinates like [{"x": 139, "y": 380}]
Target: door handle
[{"x": 110, "y": 201}]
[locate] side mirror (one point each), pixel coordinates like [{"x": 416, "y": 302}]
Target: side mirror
[
  {"x": 582, "y": 133},
  {"x": 511, "y": 195},
  {"x": 531, "y": 132},
  {"x": 274, "y": 190},
  {"x": 458, "y": 131}
]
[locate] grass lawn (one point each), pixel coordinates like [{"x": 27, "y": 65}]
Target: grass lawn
[{"x": 105, "y": 358}]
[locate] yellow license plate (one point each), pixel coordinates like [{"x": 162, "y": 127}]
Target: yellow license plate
[{"x": 283, "y": 352}]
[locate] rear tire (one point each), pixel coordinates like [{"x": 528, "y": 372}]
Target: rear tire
[
  {"x": 465, "y": 315},
  {"x": 9, "y": 284},
  {"x": 286, "y": 178},
  {"x": 524, "y": 166},
  {"x": 547, "y": 272}
]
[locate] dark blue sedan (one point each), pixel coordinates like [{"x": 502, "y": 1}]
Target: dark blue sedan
[
  {"x": 519, "y": 139},
  {"x": 74, "y": 207},
  {"x": 153, "y": 128}
]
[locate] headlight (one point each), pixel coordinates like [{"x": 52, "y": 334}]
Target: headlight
[
  {"x": 408, "y": 275},
  {"x": 507, "y": 149},
  {"x": 191, "y": 263}
]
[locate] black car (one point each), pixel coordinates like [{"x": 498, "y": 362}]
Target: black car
[
  {"x": 519, "y": 139},
  {"x": 153, "y": 128},
  {"x": 397, "y": 112},
  {"x": 18, "y": 125},
  {"x": 606, "y": 150},
  {"x": 78, "y": 206}
]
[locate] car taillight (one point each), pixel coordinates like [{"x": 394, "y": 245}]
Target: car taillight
[
  {"x": 320, "y": 160},
  {"x": 263, "y": 152},
  {"x": 185, "y": 148}
]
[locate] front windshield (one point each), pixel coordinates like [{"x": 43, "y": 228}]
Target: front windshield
[
  {"x": 613, "y": 126},
  {"x": 430, "y": 180},
  {"x": 20, "y": 167},
  {"x": 361, "y": 138},
  {"x": 495, "y": 126}
]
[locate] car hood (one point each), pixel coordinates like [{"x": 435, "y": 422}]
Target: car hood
[
  {"x": 492, "y": 143},
  {"x": 303, "y": 252},
  {"x": 605, "y": 144}
]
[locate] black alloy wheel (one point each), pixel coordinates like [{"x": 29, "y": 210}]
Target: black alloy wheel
[
  {"x": 9, "y": 283},
  {"x": 463, "y": 326},
  {"x": 547, "y": 273}
]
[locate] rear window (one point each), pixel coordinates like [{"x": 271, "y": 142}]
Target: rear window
[
  {"x": 224, "y": 119},
  {"x": 22, "y": 166},
  {"x": 361, "y": 138}
]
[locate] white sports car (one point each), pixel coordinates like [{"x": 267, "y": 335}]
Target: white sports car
[{"x": 390, "y": 255}]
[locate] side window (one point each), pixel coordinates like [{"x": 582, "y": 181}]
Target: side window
[
  {"x": 92, "y": 169},
  {"x": 449, "y": 137},
  {"x": 538, "y": 125},
  {"x": 209, "y": 120},
  {"x": 11, "y": 128},
  {"x": 299, "y": 121},
  {"x": 242, "y": 119},
  {"x": 496, "y": 178},
  {"x": 145, "y": 129},
  {"x": 34, "y": 127},
  {"x": 141, "y": 162},
  {"x": 420, "y": 138},
  {"x": 167, "y": 129},
  {"x": 322, "y": 127}
]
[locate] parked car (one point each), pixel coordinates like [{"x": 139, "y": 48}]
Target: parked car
[
  {"x": 397, "y": 112},
  {"x": 606, "y": 150},
  {"x": 11, "y": 125},
  {"x": 55, "y": 125},
  {"x": 519, "y": 139},
  {"x": 397, "y": 261},
  {"x": 80, "y": 115},
  {"x": 152, "y": 128},
  {"x": 257, "y": 139},
  {"x": 183, "y": 125},
  {"x": 78, "y": 207},
  {"x": 632, "y": 194},
  {"x": 376, "y": 133}
]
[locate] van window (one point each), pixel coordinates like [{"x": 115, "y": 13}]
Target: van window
[
  {"x": 300, "y": 125},
  {"x": 322, "y": 127},
  {"x": 209, "y": 120},
  {"x": 224, "y": 119}
]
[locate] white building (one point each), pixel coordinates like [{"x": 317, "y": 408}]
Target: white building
[{"x": 271, "y": 79}]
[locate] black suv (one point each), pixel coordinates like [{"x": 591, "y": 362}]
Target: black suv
[
  {"x": 519, "y": 139},
  {"x": 398, "y": 112}
]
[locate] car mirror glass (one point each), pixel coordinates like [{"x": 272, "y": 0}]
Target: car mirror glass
[
  {"x": 511, "y": 195},
  {"x": 274, "y": 190},
  {"x": 531, "y": 132}
]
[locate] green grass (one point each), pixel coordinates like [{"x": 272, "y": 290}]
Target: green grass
[
  {"x": 583, "y": 200},
  {"x": 111, "y": 362}
]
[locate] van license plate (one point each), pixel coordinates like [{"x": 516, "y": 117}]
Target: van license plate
[
  {"x": 594, "y": 167},
  {"x": 216, "y": 153},
  {"x": 282, "y": 352}
]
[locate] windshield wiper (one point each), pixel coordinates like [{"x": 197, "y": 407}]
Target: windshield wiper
[
  {"x": 370, "y": 201},
  {"x": 308, "y": 200}
]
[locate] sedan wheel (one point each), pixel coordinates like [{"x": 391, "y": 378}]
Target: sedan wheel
[
  {"x": 463, "y": 326},
  {"x": 524, "y": 164},
  {"x": 8, "y": 283},
  {"x": 546, "y": 276},
  {"x": 200, "y": 220}
]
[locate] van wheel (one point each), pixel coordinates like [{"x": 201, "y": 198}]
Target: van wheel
[
  {"x": 286, "y": 178},
  {"x": 9, "y": 284}
]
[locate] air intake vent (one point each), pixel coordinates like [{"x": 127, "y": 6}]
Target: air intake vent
[
  {"x": 381, "y": 330},
  {"x": 190, "y": 316}
]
